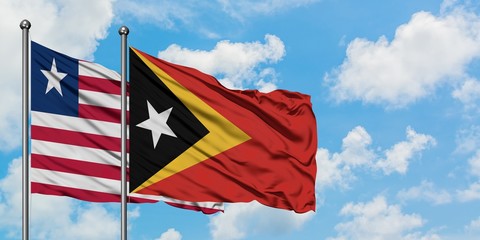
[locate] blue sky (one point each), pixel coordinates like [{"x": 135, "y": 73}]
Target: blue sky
[{"x": 395, "y": 89}]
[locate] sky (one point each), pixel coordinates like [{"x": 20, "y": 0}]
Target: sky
[{"x": 395, "y": 88}]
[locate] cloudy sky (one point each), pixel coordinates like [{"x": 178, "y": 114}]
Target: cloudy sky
[{"x": 395, "y": 87}]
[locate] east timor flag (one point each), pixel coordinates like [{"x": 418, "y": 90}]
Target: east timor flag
[{"x": 195, "y": 140}]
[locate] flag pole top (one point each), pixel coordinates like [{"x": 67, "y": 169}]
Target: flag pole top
[
  {"x": 26, "y": 24},
  {"x": 123, "y": 30}
]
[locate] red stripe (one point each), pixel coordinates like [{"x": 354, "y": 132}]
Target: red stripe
[
  {"x": 76, "y": 138},
  {"x": 101, "y": 85},
  {"x": 76, "y": 167},
  {"x": 195, "y": 208},
  {"x": 82, "y": 194},
  {"x": 100, "y": 113}
]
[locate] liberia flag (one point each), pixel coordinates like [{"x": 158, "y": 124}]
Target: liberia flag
[
  {"x": 193, "y": 139},
  {"x": 75, "y": 131}
]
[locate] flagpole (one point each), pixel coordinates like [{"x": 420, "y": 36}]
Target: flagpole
[
  {"x": 123, "y": 31},
  {"x": 25, "y": 26}
]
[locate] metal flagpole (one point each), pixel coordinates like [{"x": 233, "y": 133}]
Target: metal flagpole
[
  {"x": 25, "y": 26},
  {"x": 123, "y": 31}
]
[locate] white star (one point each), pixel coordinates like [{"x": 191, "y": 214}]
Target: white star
[
  {"x": 157, "y": 123},
  {"x": 54, "y": 77}
]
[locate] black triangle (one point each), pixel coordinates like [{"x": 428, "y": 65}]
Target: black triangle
[{"x": 145, "y": 160}]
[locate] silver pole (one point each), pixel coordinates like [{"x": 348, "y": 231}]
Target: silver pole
[
  {"x": 25, "y": 26},
  {"x": 123, "y": 31}
]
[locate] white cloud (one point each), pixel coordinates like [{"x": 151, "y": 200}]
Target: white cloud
[
  {"x": 11, "y": 196},
  {"x": 168, "y": 13},
  {"x": 52, "y": 217},
  {"x": 244, "y": 9},
  {"x": 378, "y": 220},
  {"x": 134, "y": 213},
  {"x": 197, "y": 15},
  {"x": 332, "y": 171},
  {"x": 170, "y": 234},
  {"x": 90, "y": 222},
  {"x": 337, "y": 168},
  {"x": 425, "y": 191},
  {"x": 236, "y": 64},
  {"x": 413, "y": 65},
  {"x": 470, "y": 194},
  {"x": 471, "y": 231},
  {"x": 398, "y": 157},
  {"x": 70, "y": 26},
  {"x": 164, "y": 13},
  {"x": 420, "y": 236},
  {"x": 355, "y": 150},
  {"x": 474, "y": 163},
  {"x": 468, "y": 94},
  {"x": 473, "y": 226},
  {"x": 468, "y": 139},
  {"x": 448, "y": 5},
  {"x": 243, "y": 219}
]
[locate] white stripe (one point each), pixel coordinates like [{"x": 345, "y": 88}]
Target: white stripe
[
  {"x": 100, "y": 99},
  {"x": 75, "y": 181},
  {"x": 211, "y": 205},
  {"x": 96, "y": 70},
  {"x": 151, "y": 197},
  {"x": 76, "y": 124},
  {"x": 76, "y": 152},
  {"x": 102, "y": 185}
]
